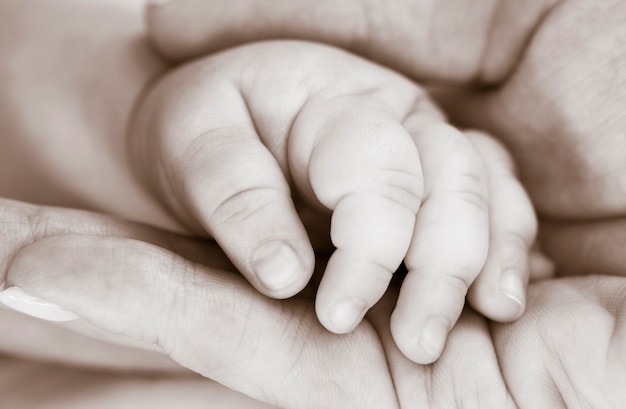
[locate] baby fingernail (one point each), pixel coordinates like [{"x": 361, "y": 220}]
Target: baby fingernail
[
  {"x": 277, "y": 265},
  {"x": 346, "y": 314},
  {"x": 512, "y": 286},
  {"x": 19, "y": 300},
  {"x": 434, "y": 335}
]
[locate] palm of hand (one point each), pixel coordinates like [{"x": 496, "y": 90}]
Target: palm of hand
[
  {"x": 567, "y": 348},
  {"x": 565, "y": 352}
]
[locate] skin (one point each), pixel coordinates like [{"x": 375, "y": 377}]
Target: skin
[
  {"x": 599, "y": 297},
  {"x": 554, "y": 62},
  {"x": 163, "y": 165},
  {"x": 346, "y": 144},
  {"x": 551, "y": 344},
  {"x": 37, "y": 391}
]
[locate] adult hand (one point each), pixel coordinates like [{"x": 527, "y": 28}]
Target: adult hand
[
  {"x": 278, "y": 332},
  {"x": 143, "y": 284},
  {"x": 449, "y": 41},
  {"x": 558, "y": 104},
  {"x": 76, "y": 343},
  {"x": 214, "y": 323},
  {"x": 567, "y": 351}
]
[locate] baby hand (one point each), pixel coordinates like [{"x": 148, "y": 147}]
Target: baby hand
[{"x": 224, "y": 139}]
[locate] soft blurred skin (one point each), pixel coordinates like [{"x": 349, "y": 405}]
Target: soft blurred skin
[
  {"x": 52, "y": 75},
  {"x": 69, "y": 259},
  {"x": 555, "y": 94},
  {"x": 25, "y": 384}
]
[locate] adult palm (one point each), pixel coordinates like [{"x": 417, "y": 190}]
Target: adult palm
[{"x": 567, "y": 351}]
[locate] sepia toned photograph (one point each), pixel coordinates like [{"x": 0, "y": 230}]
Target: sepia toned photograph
[{"x": 313, "y": 204}]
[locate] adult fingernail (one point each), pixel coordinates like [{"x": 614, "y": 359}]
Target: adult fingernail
[
  {"x": 277, "y": 265},
  {"x": 19, "y": 300},
  {"x": 434, "y": 335},
  {"x": 346, "y": 314},
  {"x": 512, "y": 286}
]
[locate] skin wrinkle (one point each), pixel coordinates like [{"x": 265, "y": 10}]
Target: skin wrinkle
[
  {"x": 223, "y": 306},
  {"x": 511, "y": 340},
  {"x": 611, "y": 316},
  {"x": 223, "y": 214},
  {"x": 183, "y": 208},
  {"x": 559, "y": 374},
  {"x": 498, "y": 361},
  {"x": 298, "y": 346},
  {"x": 179, "y": 273},
  {"x": 482, "y": 395},
  {"x": 619, "y": 318}
]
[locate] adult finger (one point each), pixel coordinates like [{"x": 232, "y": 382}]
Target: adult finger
[
  {"x": 541, "y": 266},
  {"x": 450, "y": 240},
  {"x": 76, "y": 345},
  {"x": 569, "y": 346},
  {"x": 23, "y": 224},
  {"x": 586, "y": 247},
  {"x": 359, "y": 162},
  {"x": 570, "y": 156},
  {"x": 467, "y": 368},
  {"x": 209, "y": 321},
  {"x": 208, "y": 163},
  {"x": 499, "y": 292},
  {"x": 445, "y": 40}
]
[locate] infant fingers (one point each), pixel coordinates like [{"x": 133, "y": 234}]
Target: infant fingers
[
  {"x": 450, "y": 241},
  {"x": 360, "y": 163},
  {"x": 213, "y": 169},
  {"x": 499, "y": 292}
]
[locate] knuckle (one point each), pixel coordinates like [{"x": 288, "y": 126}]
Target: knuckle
[
  {"x": 37, "y": 220},
  {"x": 473, "y": 199},
  {"x": 401, "y": 187},
  {"x": 461, "y": 281},
  {"x": 471, "y": 190},
  {"x": 520, "y": 239},
  {"x": 244, "y": 205},
  {"x": 470, "y": 184}
]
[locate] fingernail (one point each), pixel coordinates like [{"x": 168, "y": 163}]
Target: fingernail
[
  {"x": 19, "y": 300},
  {"x": 434, "y": 335},
  {"x": 512, "y": 286},
  {"x": 346, "y": 314},
  {"x": 277, "y": 265}
]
